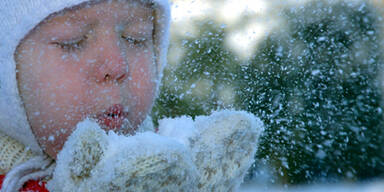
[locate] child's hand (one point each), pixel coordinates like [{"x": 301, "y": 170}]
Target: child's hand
[
  {"x": 92, "y": 160},
  {"x": 223, "y": 146}
]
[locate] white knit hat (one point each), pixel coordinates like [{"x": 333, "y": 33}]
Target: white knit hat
[{"x": 18, "y": 17}]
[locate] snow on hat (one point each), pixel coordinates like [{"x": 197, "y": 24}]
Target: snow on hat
[{"x": 18, "y": 17}]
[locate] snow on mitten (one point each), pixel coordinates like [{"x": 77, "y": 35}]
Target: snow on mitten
[
  {"x": 79, "y": 156},
  {"x": 225, "y": 148},
  {"x": 92, "y": 160},
  {"x": 145, "y": 162},
  {"x": 223, "y": 145}
]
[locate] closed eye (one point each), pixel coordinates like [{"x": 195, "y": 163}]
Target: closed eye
[
  {"x": 71, "y": 45},
  {"x": 134, "y": 41}
]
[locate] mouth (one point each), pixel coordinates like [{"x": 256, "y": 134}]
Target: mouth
[{"x": 113, "y": 118}]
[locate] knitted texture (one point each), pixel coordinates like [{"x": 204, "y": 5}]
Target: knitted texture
[
  {"x": 222, "y": 145},
  {"x": 20, "y": 164},
  {"x": 224, "y": 149},
  {"x": 92, "y": 160},
  {"x": 19, "y": 17},
  {"x": 12, "y": 153}
]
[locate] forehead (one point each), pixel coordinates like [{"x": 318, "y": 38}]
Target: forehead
[{"x": 129, "y": 11}]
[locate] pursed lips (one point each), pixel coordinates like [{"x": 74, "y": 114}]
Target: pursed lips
[{"x": 112, "y": 118}]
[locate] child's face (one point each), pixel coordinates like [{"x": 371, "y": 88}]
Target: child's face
[{"x": 96, "y": 61}]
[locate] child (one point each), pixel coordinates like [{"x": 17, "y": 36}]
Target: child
[
  {"x": 65, "y": 61},
  {"x": 78, "y": 59}
]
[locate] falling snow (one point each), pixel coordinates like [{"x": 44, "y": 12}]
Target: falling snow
[{"x": 311, "y": 70}]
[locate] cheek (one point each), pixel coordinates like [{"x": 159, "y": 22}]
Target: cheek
[
  {"x": 53, "y": 93},
  {"x": 142, "y": 85},
  {"x": 143, "y": 81},
  {"x": 57, "y": 86}
]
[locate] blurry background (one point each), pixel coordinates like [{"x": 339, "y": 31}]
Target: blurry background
[{"x": 310, "y": 69}]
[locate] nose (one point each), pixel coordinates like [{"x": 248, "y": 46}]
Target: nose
[{"x": 112, "y": 65}]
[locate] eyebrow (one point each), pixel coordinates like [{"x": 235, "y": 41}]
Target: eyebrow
[
  {"x": 67, "y": 29},
  {"x": 73, "y": 21}
]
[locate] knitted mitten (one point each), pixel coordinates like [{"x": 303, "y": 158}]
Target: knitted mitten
[
  {"x": 20, "y": 164},
  {"x": 223, "y": 146},
  {"x": 12, "y": 153},
  {"x": 92, "y": 160}
]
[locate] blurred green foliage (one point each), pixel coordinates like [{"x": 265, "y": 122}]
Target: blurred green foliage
[
  {"x": 315, "y": 83},
  {"x": 206, "y": 61}
]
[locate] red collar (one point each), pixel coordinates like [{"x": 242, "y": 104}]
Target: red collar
[{"x": 30, "y": 186}]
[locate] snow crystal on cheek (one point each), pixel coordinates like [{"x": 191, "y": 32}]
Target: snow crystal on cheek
[{"x": 51, "y": 138}]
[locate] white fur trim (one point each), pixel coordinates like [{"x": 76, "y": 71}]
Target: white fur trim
[{"x": 18, "y": 18}]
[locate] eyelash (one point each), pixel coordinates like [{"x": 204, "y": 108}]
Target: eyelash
[
  {"x": 76, "y": 45},
  {"x": 73, "y": 45},
  {"x": 139, "y": 42}
]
